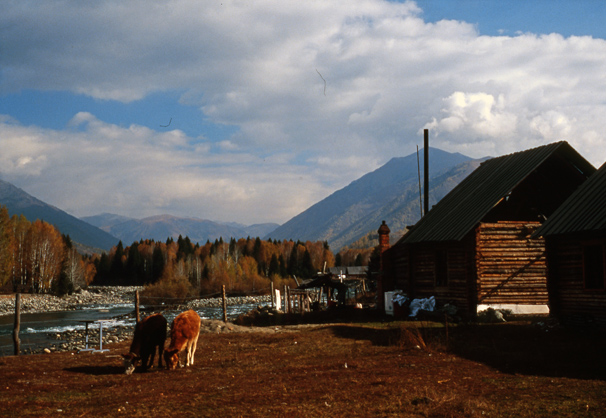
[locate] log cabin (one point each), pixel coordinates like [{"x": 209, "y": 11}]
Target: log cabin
[
  {"x": 474, "y": 248},
  {"x": 575, "y": 237}
]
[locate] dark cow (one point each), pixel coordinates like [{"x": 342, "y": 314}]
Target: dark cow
[
  {"x": 184, "y": 333},
  {"x": 150, "y": 333}
]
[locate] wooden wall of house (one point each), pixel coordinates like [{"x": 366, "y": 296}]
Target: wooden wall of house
[
  {"x": 459, "y": 272},
  {"x": 401, "y": 271},
  {"x": 511, "y": 267},
  {"x": 568, "y": 299}
]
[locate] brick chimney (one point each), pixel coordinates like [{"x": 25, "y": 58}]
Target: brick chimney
[
  {"x": 383, "y": 246},
  {"x": 383, "y": 237}
]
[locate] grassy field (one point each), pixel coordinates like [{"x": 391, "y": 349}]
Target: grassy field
[{"x": 363, "y": 369}]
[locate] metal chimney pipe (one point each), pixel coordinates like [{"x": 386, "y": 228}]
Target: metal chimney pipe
[{"x": 426, "y": 168}]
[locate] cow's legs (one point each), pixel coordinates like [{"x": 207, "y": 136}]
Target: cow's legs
[
  {"x": 193, "y": 351},
  {"x": 160, "y": 353},
  {"x": 151, "y": 358},
  {"x": 189, "y": 353}
]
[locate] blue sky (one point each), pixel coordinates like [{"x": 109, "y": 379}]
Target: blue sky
[
  {"x": 219, "y": 110},
  {"x": 509, "y": 17}
]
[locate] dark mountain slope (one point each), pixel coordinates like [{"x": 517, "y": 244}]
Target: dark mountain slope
[
  {"x": 19, "y": 202},
  {"x": 162, "y": 227},
  {"x": 390, "y": 193}
]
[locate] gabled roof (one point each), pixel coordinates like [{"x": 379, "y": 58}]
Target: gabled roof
[
  {"x": 351, "y": 270},
  {"x": 583, "y": 211},
  {"x": 465, "y": 206}
]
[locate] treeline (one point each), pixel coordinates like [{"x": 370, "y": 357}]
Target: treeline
[
  {"x": 243, "y": 265},
  {"x": 36, "y": 258}
]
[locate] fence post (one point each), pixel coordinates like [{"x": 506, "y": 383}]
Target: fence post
[
  {"x": 137, "y": 315},
  {"x": 16, "y": 341},
  {"x": 224, "y": 306}
]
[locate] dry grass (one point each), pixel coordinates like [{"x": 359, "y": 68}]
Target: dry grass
[{"x": 338, "y": 370}]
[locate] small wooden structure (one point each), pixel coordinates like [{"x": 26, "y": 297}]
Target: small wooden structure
[
  {"x": 328, "y": 285},
  {"x": 474, "y": 248},
  {"x": 576, "y": 253}
]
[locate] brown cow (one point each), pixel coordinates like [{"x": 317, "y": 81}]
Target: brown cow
[
  {"x": 150, "y": 333},
  {"x": 184, "y": 333}
]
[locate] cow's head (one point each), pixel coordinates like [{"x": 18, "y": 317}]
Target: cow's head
[
  {"x": 171, "y": 358},
  {"x": 130, "y": 360}
]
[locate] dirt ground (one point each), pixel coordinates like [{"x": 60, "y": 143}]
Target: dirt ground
[{"x": 356, "y": 369}]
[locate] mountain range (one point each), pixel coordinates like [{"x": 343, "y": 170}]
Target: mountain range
[
  {"x": 160, "y": 227},
  {"x": 391, "y": 193},
  {"x": 18, "y": 202}
]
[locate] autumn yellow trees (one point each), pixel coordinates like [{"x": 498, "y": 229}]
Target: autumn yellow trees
[
  {"x": 6, "y": 246},
  {"x": 35, "y": 257},
  {"x": 242, "y": 266}
]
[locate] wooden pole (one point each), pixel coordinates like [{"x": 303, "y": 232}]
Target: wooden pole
[
  {"x": 273, "y": 296},
  {"x": 320, "y": 298},
  {"x": 138, "y": 316},
  {"x": 224, "y": 305},
  {"x": 16, "y": 341},
  {"x": 426, "y": 169},
  {"x": 285, "y": 297}
]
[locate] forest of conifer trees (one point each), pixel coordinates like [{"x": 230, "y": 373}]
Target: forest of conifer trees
[{"x": 36, "y": 258}]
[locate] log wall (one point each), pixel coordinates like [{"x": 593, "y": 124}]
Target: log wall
[
  {"x": 401, "y": 271},
  {"x": 459, "y": 269},
  {"x": 570, "y": 301},
  {"x": 511, "y": 267}
]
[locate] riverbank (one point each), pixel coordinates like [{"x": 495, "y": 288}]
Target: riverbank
[
  {"x": 100, "y": 296},
  {"x": 107, "y": 296},
  {"x": 116, "y": 331}
]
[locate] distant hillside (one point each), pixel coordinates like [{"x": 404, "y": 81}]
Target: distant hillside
[
  {"x": 19, "y": 202},
  {"x": 390, "y": 193},
  {"x": 162, "y": 227}
]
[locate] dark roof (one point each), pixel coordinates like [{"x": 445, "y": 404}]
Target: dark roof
[
  {"x": 464, "y": 207},
  {"x": 583, "y": 211},
  {"x": 353, "y": 270}
]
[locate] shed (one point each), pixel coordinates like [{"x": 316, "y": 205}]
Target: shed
[
  {"x": 474, "y": 248},
  {"x": 350, "y": 272},
  {"x": 575, "y": 236}
]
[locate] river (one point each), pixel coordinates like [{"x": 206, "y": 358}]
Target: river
[{"x": 35, "y": 327}]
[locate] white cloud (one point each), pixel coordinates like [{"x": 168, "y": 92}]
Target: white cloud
[
  {"x": 262, "y": 66},
  {"x": 106, "y": 168},
  {"x": 481, "y": 114}
]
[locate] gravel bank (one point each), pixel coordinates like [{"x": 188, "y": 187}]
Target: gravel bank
[
  {"x": 49, "y": 303},
  {"x": 109, "y": 296},
  {"x": 117, "y": 295}
]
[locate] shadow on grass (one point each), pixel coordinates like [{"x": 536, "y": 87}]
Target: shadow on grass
[
  {"x": 527, "y": 349},
  {"x": 96, "y": 370},
  {"x": 376, "y": 336},
  {"x": 513, "y": 348},
  {"x": 343, "y": 314}
]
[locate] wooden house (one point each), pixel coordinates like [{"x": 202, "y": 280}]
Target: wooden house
[
  {"x": 575, "y": 236},
  {"x": 474, "y": 248}
]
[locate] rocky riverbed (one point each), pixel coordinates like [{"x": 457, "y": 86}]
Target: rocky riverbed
[
  {"x": 32, "y": 303},
  {"x": 109, "y": 296}
]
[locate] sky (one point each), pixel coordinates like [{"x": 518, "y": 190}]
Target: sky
[{"x": 251, "y": 112}]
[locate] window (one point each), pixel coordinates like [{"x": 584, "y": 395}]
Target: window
[{"x": 593, "y": 266}]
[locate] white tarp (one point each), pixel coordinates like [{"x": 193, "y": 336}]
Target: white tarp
[
  {"x": 399, "y": 299},
  {"x": 428, "y": 304}
]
